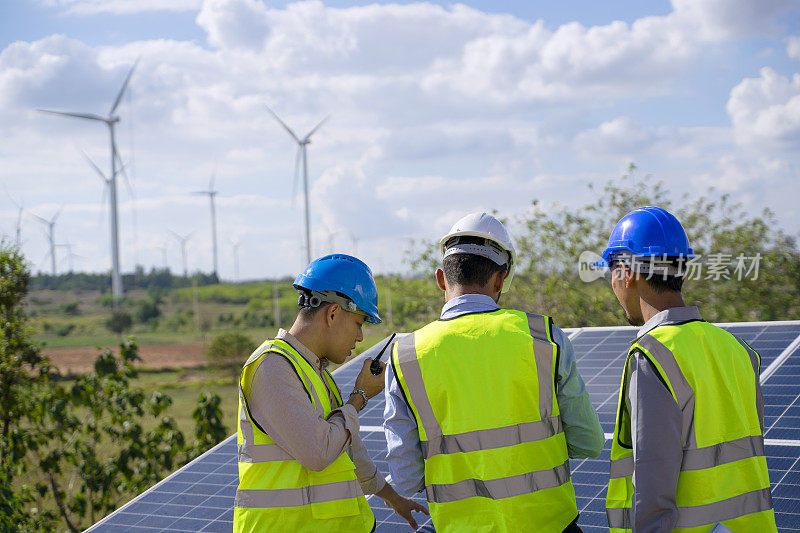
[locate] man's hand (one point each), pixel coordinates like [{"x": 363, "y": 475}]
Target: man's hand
[
  {"x": 368, "y": 382},
  {"x": 401, "y": 505}
]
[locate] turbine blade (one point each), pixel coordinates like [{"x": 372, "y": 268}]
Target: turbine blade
[
  {"x": 124, "y": 86},
  {"x": 287, "y": 128},
  {"x": 213, "y": 177},
  {"x": 57, "y": 213},
  {"x": 95, "y": 167},
  {"x": 296, "y": 174},
  {"x": 40, "y": 219},
  {"x": 90, "y": 116},
  {"x": 315, "y": 128}
]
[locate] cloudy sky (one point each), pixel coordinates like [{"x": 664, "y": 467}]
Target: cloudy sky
[{"x": 436, "y": 109}]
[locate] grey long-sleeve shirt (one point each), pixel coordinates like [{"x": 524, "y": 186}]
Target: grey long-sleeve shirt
[{"x": 279, "y": 403}]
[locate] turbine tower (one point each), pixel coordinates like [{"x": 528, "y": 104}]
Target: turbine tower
[
  {"x": 110, "y": 120},
  {"x": 302, "y": 144},
  {"x": 20, "y": 209},
  {"x": 211, "y": 194},
  {"x": 50, "y": 237},
  {"x": 235, "y": 245},
  {"x": 183, "y": 239}
]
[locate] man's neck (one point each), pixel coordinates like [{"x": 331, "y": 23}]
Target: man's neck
[
  {"x": 307, "y": 336},
  {"x": 656, "y": 303},
  {"x": 461, "y": 290}
]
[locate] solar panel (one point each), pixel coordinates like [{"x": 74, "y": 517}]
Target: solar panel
[{"x": 199, "y": 496}]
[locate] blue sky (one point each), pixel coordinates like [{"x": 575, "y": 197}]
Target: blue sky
[{"x": 437, "y": 109}]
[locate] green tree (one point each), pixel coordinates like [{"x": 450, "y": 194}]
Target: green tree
[
  {"x": 73, "y": 451},
  {"x": 23, "y": 370}
]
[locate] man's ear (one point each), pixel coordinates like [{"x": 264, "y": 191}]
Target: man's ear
[
  {"x": 331, "y": 314},
  {"x": 499, "y": 278},
  {"x": 440, "y": 279},
  {"x": 631, "y": 278}
]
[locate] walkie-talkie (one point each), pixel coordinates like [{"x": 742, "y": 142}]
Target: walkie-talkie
[{"x": 375, "y": 367}]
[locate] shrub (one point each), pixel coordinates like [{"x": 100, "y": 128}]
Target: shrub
[
  {"x": 230, "y": 348},
  {"x": 71, "y": 308},
  {"x": 119, "y": 321},
  {"x": 148, "y": 310}
]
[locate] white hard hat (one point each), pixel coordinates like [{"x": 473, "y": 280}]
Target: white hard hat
[{"x": 498, "y": 246}]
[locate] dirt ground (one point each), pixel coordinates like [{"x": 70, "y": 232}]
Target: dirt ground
[{"x": 77, "y": 360}]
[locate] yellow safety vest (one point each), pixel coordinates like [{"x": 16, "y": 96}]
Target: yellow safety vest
[
  {"x": 712, "y": 376},
  {"x": 482, "y": 390},
  {"x": 277, "y": 493}
]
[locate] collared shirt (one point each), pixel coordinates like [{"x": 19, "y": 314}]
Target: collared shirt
[
  {"x": 656, "y": 427},
  {"x": 279, "y": 403},
  {"x": 579, "y": 419}
]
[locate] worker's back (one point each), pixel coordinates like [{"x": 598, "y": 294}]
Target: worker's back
[
  {"x": 714, "y": 378},
  {"x": 481, "y": 387}
]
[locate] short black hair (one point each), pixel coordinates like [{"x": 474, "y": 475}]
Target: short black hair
[
  {"x": 470, "y": 270},
  {"x": 661, "y": 283}
]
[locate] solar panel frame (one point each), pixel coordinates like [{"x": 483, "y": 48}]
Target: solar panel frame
[{"x": 599, "y": 353}]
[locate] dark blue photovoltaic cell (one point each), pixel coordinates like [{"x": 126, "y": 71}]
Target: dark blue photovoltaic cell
[{"x": 199, "y": 497}]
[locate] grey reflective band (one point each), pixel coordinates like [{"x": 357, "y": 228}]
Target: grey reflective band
[
  {"x": 724, "y": 452},
  {"x": 622, "y": 467},
  {"x": 488, "y": 439},
  {"x": 703, "y": 458},
  {"x": 262, "y": 453},
  {"x": 543, "y": 354},
  {"x": 711, "y": 513},
  {"x": 287, "y": 353},
  {"x": 665, "y": 358},
  {"x": 266, "y": 498},
  {"x": 755, "y": 360},
  {"x": 412, "y": 375},
  {"x": 619, "y": 517},
  {"x": 684, "y": 395},
  {"x": 703, "y": 515},
  {"x": 496, "y": 489}
]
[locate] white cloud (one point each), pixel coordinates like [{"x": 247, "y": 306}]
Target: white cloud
[
  {"x": 765, "y": 111},
  {"x": 793, "y": 47},
  {"x": 92, "y": 7},
  {"x": 729, "y": 19}
]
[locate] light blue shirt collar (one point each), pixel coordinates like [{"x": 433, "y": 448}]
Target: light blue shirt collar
[{"x": 467, "y": 303}]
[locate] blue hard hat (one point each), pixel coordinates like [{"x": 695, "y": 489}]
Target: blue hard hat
[
  {"x": 648, "y": 231},
  {"x": 344, "y": 274}
]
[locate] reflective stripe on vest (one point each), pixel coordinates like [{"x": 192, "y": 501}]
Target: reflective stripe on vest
[
  {"x": 723, "y": 475},
  {"x": 474, "y": 371},
  {"x": 275, "y": 491}
]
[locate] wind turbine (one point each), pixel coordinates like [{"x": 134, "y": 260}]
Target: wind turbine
[
  {"x": 182, "y": 239},
  {"x": 211, "y": 194},
  {"x": 302, "y": 145},
  {"x": 50, "y": 237},
  {"x": 235, "y": 244},
  {"x": 20, "y": 208},
  {"x": 68, "y": 246},
  {"x": 110, "y": 120}
]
